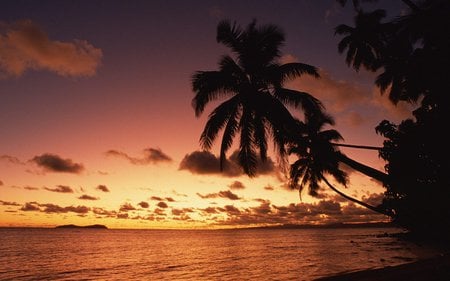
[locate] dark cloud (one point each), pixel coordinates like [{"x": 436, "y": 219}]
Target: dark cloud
[
  {"x": 127, "y": 207},
  {"x": 374, "y": 199},
  {"x": 122, "y": 216},
  {"x": 24, "y": 45},
  {"x": 204, "y": 163},
  {"x": 159, "y": 212},
  {"x": 52, "y": 208},
  {"x": 236, "y": 185},
  {"x": 54, "y": 163},
  {"x": 87, "y": 197},
  {"x": 60, "y": 189},
  {"x": 11, "y": 159},
  {"x": 143, "y": 204},
  {"x": 150, "y": 156},
  {"x": 170, "y": 199},
  {"x": 324, "y": 211},
  {"x": 104, "y": 213},
  {"x": 1, "y": 183},
  {"x": 156, "y": 198},
  {"x": 268, "y": 187},
  {"x": 30, "y": 206},
  {"x": 162, "y": 204},
  {"x": 30, "y": 188},
  {"x": 102, "y": 187},
  {"x": 182, "y": 212},
  {"x": 222, "y": 194},
  {"x": 6, "y": 203}
]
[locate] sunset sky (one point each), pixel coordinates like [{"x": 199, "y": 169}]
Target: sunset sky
[{"x": 97, "y": 126}]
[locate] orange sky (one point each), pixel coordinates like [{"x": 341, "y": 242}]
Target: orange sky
[{"x": 97, "y": 124}]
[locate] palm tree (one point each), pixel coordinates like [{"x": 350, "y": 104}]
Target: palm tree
[
  {"x": 252, "y": 81},
  {"x": 318, "y": 156},
  {"x": 364, "y": 41}
]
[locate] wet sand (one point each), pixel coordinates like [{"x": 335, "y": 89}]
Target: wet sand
[{"x": 431, "y": 269}]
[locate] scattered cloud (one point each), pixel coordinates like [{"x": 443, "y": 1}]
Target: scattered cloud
[
  {"x": 54, "y": 163},
  {"x": 143, "y": 204},
  {"x": 53, "y": 208},
  {"x": 204, "y": 163},
  {"x": 30, "y": 188},
  {"x": 6, "y": 203},
  {"x": 151, "y": 156},
  {"x": 156, "y": 198},
  {"x": 87, "y": 197},
  {"x": 11, "y": 159},
  {"x": 269, "y": 187},
  {"x": 221, "y": 194},
  {"x": 1, "y": 183},
  {"x": 102, "y": 187},
  {"x": 24, "y": 45},
  {"x": 236, "y": 185},
  {"x": 126, "y": 207},
  {"x": 30, "y": 206},
  {"x": 162, "y": 205},
  {"x": 60, "y": 189}
]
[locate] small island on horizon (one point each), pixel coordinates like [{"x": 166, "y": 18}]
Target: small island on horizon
[{"x": 95, "y": 226}]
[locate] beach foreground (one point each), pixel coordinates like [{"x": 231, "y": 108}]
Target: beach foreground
[{"x": 432, "y": 269}]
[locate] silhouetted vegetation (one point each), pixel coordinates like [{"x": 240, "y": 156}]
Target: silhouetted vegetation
[{"x": 411, "y": 53}]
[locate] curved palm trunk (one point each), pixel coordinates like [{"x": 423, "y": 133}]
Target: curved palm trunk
[
  {"x": 411, "y": 5},
  {"x": 354, "y": 200},
  {"x": 357, "y": 146},
  {"x": 366, "y": 170}
]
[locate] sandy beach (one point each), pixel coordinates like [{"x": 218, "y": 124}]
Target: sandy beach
[{"x": 431, "y": 269}]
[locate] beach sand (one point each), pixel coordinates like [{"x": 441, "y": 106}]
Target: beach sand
[{"x": 431, "y": 269}]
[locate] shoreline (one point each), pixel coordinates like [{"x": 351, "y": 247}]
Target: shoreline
[{"x": 435, "y": 268}]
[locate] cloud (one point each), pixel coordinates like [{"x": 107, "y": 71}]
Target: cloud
[
  {"x": 143, "y": 204},
  {"x": 236, "y": 185},
  {"x": 156, "y": 198},
  {"x": 11, "y": 159},
  {"x": 104, "y": 213},
  {"x": 24, "y": 45},
  {"x": 6, "y": 203},
  {"x": 54, "y": 163},
  {"x": 151, "y": 156},
  {"x": 162, "y": 205},
  {"x": 1, "y": 183},
  {"x": 102, "y": 187},
  {"x": 30, "y": 206},
  {"x": 30, "y": 188},
  {"x": 53, "y": 208},
  {"x": 222, "y": 194},
  {"x": 60, "y": 189},
  {"x": 269, "y": 187},
  {"x": 127, "y": 207},
  {"x": 87, "y": 197},
  {"x": 204, "y": 163}
]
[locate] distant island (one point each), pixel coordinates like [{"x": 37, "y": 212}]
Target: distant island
[{"x": 95, "y": 226}]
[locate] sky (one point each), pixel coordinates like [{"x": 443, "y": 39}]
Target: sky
[{"x": 97, "y": 126}]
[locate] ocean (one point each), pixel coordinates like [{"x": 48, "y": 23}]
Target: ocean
[{"x": 252, "y": 254}]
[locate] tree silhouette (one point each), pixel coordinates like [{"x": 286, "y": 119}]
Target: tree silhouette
[
  {"x": 317, "y": 157},
  {"x": 252, "y": 81},
  {"x": 412, "y": 58}
]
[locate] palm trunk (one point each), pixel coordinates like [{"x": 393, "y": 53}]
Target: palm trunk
[
  {"x": 411, "y": 5},
  {"x": 354, "y": 200},
  {"x": 357, "y": 146},
  {"x": 366, "y": 170}
]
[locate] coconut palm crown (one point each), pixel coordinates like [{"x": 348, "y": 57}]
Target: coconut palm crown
[{"x": 251, "y": 80}]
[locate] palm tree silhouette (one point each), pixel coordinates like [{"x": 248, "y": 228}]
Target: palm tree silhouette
[
  {"x": 253, "y": 83},
  {"x": 318, "y": 156},
  {"x": 364, "y": 41}
]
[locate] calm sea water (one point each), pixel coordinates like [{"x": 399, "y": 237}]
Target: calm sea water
[{"x": 296, "y": 254}]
